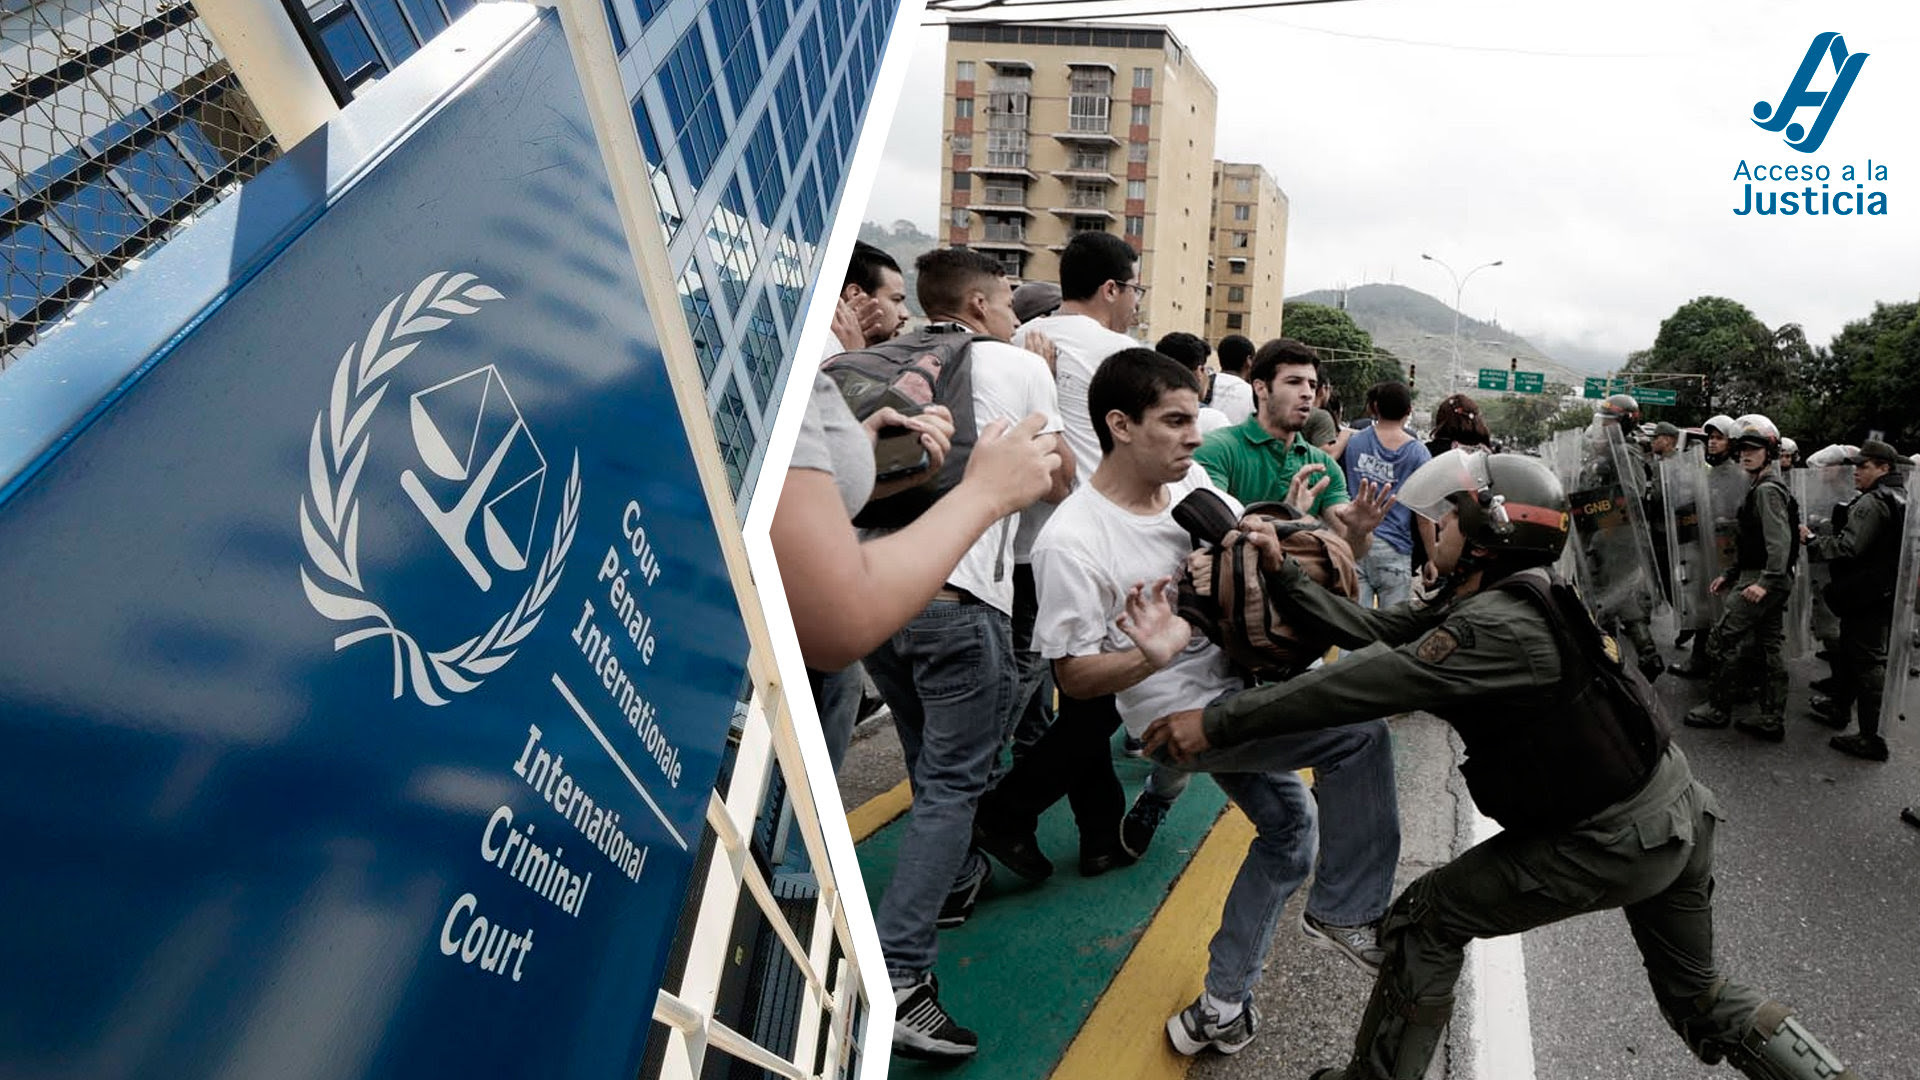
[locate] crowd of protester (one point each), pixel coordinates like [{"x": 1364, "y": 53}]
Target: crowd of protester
[{"x": 979, "y": 518}]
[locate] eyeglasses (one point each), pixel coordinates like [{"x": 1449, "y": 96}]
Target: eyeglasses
[{"x": 1139, "y": 289}]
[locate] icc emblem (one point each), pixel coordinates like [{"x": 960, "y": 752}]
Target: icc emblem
[{"x": 488, "y": 482}]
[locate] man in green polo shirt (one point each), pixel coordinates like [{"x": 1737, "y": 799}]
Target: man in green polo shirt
[{"x": 1264, "y": 458}]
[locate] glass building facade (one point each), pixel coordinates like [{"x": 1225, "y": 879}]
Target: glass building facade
[{"x": 748, "y": 111}]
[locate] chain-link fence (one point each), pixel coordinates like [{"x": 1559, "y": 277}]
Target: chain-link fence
[{"x": 120, "y": 120}]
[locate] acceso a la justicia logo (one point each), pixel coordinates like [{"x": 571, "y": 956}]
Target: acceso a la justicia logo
[
  {"x": 478, "y": 482},
  {"x": 1788, "y": 189}
]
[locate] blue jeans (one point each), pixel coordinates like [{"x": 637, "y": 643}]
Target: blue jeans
[
  {"x": 836, "y": 696},
  {"x": 1385, "y": 574},
  {"x": 1359, "y": 838},
  {"x": 948, "y": 677}
]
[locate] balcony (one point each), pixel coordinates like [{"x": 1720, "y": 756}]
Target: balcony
[
  {"x": 991, "y": 244},
  {"x": 1103, "y": 137},
  {"x": 984, "y": 205},
  {"x": 1071, "y": 176}
]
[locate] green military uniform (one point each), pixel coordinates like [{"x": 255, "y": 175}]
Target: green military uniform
[
  {"x": 1865, "y": 554},
  {"x": 1746, "y": 646},
  {"x": 1249, "y": 463},
  {"x": 1500, "y": 667}
]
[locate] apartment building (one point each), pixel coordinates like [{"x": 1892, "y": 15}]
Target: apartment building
[
  {"x": 1060, "y": 128},
  {"x": 1247, "y": 285}
]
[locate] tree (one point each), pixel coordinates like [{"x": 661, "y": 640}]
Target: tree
[
  {"x": 1868, "y": 379},
  {"x": 1524, "y": 421},
  {"x": 1748, "y": 368},
  {"x": 1350, "y": 361}
]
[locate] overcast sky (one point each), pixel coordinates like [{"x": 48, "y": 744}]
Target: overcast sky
[{"x": 1592, "y": 147}]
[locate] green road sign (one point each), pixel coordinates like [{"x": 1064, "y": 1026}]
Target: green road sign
[
  {"x": 1647, "y": 395},
  {"x": 1601, "y": 387},
  {"x": 1492, "y": 379},
  {"x": 1529, "y": 382}
]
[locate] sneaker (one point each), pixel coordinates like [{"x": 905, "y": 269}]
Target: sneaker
[
  {"x": 923, "y": 1030},
  {"x": 1018, "y": 852},
  {"x": 959, "y": 903},
  {"x": 1142, "y": 821},
  {"x": 1687, "y": 669},
  {"x": 1360, "y": 945},
  {"x": 1195, "y": 1028},
  {"x": 1133, "y": 747},
  {"x": 1772, "y": 730},
  {"x": 1706, "y": 716},
  {"x": 1865, "y": 747},
  {"x": 1095, "y": 861}
]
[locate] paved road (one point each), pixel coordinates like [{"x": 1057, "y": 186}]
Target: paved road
[{"x": 1818, "y": 904}]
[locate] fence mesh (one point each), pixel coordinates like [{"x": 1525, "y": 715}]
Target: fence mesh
[{"x": 120, "y": 120}]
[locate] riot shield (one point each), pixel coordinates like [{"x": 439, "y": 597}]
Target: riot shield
[
  {"x": 1903, "y": 651},
  {"x": 1727, "y": 487},
  {"x": 1562, "y": 454},
  {"x": 1616, "y": 567},
  {"x": 1820, "y": 493},
  {"x": 1691, "y": 552}
]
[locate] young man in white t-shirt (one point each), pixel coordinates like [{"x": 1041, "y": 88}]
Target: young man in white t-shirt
[
  {"x": 948, "y": 675},
  {"x": 1117, "y": 534}
]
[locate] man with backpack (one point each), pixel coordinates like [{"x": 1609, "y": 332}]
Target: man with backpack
[
  {"x": 1746, "y": 647},
  {"x": 1567, "y": 748},
  {"x": 1119, "y": 530},
  {"x": 948, "y": 675},
  {"x": 1864, "y": 550}
]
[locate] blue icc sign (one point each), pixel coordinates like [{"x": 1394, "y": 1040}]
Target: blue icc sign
[{"x": 369, "y": 652}]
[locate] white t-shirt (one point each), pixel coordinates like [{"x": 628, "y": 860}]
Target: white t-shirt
[
  {"x": 1233, "y": 396},
  {"x": 1080, "y": 344},
  {"x": 1008, "y": 383},
  {"x": 1212, "y": 419},
  {"x": 1085, "y": 560}
]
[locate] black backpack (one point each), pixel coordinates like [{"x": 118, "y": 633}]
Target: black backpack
[{"x": 917, "y": 369}]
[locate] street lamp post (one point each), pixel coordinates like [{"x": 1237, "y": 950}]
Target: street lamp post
[{"x": 1459, "y": 286}]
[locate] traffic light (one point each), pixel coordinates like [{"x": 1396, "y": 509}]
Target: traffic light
[
  {"x": 1411, "y": 384},
  {"x": 1513, "y": 365}
]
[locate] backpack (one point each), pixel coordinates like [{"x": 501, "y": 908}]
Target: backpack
[
  {"x": 1223, "y": 592},
  {"x": 917, "y": 369}
]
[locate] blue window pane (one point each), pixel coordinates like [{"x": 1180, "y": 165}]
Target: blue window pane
[
  {"x": 646, "y": 9},
  {"x": 735, "y": 434},
  {"x": 39, "y": 179},
  {"x": 831, "y": 29},
  {"x": 427, "y": 19},
  {"x": 686, "y": 81},
  {"x": 763, "y": 169},
  {"x": 697, "y": 304},
  {"x": 158, "y": 175},
  {"x": 391, "y": 28},
  {"x": 98, "y": 216},
  {"x": 793, "y": 112},
  {"x": 773, "y": 25},
  {"x": 199, "y": 148},
  {"x": 812, "y": 219},
  {"x": 349, "y": 47},
  {"x": 613, "y": 27},
  {"x": 809, "y": 55},
  {"x": 844, "y": 112},
  {"x": 761, "y": 350},
  {"x": 733, "y": 28},
  {"x": 457, "y": 8},
  {"x": 36, "y": 265},
  {"x": 649, "y": 141}
]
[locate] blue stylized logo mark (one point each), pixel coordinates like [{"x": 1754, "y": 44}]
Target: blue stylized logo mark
[{"x": 1846, "y": 66}]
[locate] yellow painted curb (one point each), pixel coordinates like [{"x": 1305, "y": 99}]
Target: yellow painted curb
[
  {"x": 874, "y": 814},
  {"x": 1125, "y": 1038}
]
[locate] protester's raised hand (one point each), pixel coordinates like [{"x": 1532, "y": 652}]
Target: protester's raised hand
[
  {"x": 1150, "y": 622},
  {"x": 1308, "y": 483}
]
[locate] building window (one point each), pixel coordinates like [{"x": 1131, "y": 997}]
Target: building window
[
  {"x": 1136, "y": 226},
  {"x": 1007, "y": 103},
  {"x": 963, "y": 181},
  {"x": 698, "y": 308},
  {"x": 1012, "y": 263},
  {"x": 1089, "y": 224},
  {"x": 1137, "y": 152},
  {"x": 1007, "y": 228},
  {"x": 1240, "y": 240},
  {"x": 1243, "y": 185},
  {"x": 963, "y": 108},
  {"x": 960, "y": 219},
  {"x": 1137, "y": 189},
  {"x": 1242, "y": 212},
  {"x": 963, "y": 71},
  {"x": 1234, "y": 320},
  {"x": 963, "y": 144},
  {"x": 1001, "y": 193},
  {"x": 735, "y": 434},
  {"x": 1142, "y": 114},
  {"x": 1088, "y": 196},
  {"x": 1236, "y": 294},
  {"x": 1143, "y": 78},
  {"x": 1089, "y": 158},
  {"x": 1089, "y": 93},
  {"x": 1236, "y": 266}
]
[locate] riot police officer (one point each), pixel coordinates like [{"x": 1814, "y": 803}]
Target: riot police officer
[
  {"x": 1725, "y": 472},
  {"x": 1864, "y": 549},
  {"x": 1567, "y": 748},
  {"x": 1747, "y": 641},
  {"x": 1621, "y": 581}
]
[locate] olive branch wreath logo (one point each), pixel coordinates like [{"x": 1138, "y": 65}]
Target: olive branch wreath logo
[{"x": 330, "y": 510}]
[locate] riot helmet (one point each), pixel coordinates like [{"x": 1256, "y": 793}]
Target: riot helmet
[
  {"x": 1788, "y": 448},
  {"x": 1756, "y": 430},
  {"x": 1509, "y": 504},
  {"x": 1621, "y": 407},
  {"x": 1721, "y": 423}
]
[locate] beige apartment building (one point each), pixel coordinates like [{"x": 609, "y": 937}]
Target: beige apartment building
[
  {"x": 1249, "y": 240},
  {"x": 1058, "y": 128}
]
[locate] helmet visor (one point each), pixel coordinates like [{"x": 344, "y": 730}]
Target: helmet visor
[{"x": 1428, "y": 492}]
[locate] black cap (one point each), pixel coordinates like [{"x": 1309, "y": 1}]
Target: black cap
[{"x": 1875, "y": 450}]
